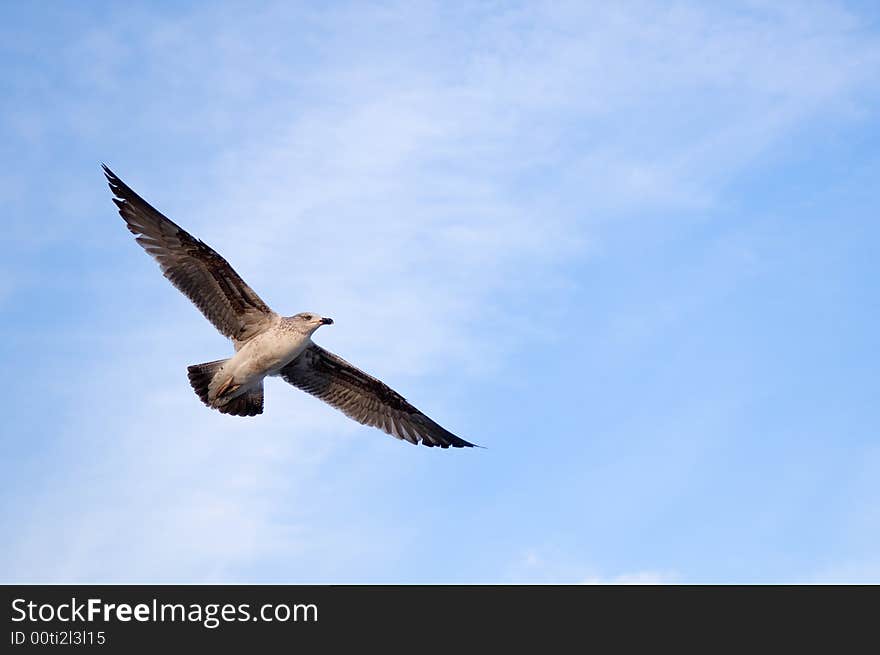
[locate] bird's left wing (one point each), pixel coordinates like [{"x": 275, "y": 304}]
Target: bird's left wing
[
  {"x": 193, "y": 267},
  {"x": 364, "y": 398}
]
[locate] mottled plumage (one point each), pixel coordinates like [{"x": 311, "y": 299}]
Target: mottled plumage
[
  {"x": 364, "y": 398},
  {"x": 265, "y": 342}
]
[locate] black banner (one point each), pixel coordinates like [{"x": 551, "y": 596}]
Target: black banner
[{"x": 133, "y": 618}]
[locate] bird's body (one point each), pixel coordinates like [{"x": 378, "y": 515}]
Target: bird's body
[
  {"x": 269, "y": 351},
  {"x": 266, "y": 343},
  {"x": 264, "y": 354}
]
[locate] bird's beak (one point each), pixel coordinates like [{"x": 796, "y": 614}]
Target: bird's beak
[{"x": 326, "y": 321}]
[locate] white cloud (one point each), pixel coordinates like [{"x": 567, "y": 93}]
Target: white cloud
[
  {"x": 636, "y": 578},
  {"x": 553, "y": 565},
  {"x": 856, "y": 572}
]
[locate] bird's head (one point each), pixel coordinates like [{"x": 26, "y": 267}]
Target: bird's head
[{"x": 308, "y": 322}]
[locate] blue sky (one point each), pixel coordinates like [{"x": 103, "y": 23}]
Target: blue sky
[{"x": 631, "y": 249}]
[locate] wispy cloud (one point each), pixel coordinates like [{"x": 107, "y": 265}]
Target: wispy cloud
[
  {"x": 637, "y": 578},
  {"x": 551, "y": 565},
  {"x": 863, "y": 572}
]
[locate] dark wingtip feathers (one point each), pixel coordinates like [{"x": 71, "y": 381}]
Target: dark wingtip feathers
[
  {"x": 449, "y": 440},
  {"x": 125, "y": 195},
  {"x": 110, "y": 175}
]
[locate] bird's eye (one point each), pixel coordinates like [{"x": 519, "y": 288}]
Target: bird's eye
[{"x": 308, "y": 317}]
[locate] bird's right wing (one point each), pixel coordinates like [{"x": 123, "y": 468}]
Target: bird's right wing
[
  {"x": 193, "y": 267},
  {"x": 364, "y": 398}
]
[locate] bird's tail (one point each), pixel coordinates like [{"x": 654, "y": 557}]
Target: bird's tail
[{"x": 249, "y": 403}]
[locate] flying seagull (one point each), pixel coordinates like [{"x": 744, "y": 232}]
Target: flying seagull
[{"x": 266, "y": 343}]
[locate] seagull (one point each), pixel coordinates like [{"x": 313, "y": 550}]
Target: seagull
[{"x": 266, "y": 343}]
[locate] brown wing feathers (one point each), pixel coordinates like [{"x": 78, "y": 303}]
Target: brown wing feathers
[
  {"x": 364, "y": 398},
  {"x": 192, "y": 266}
]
